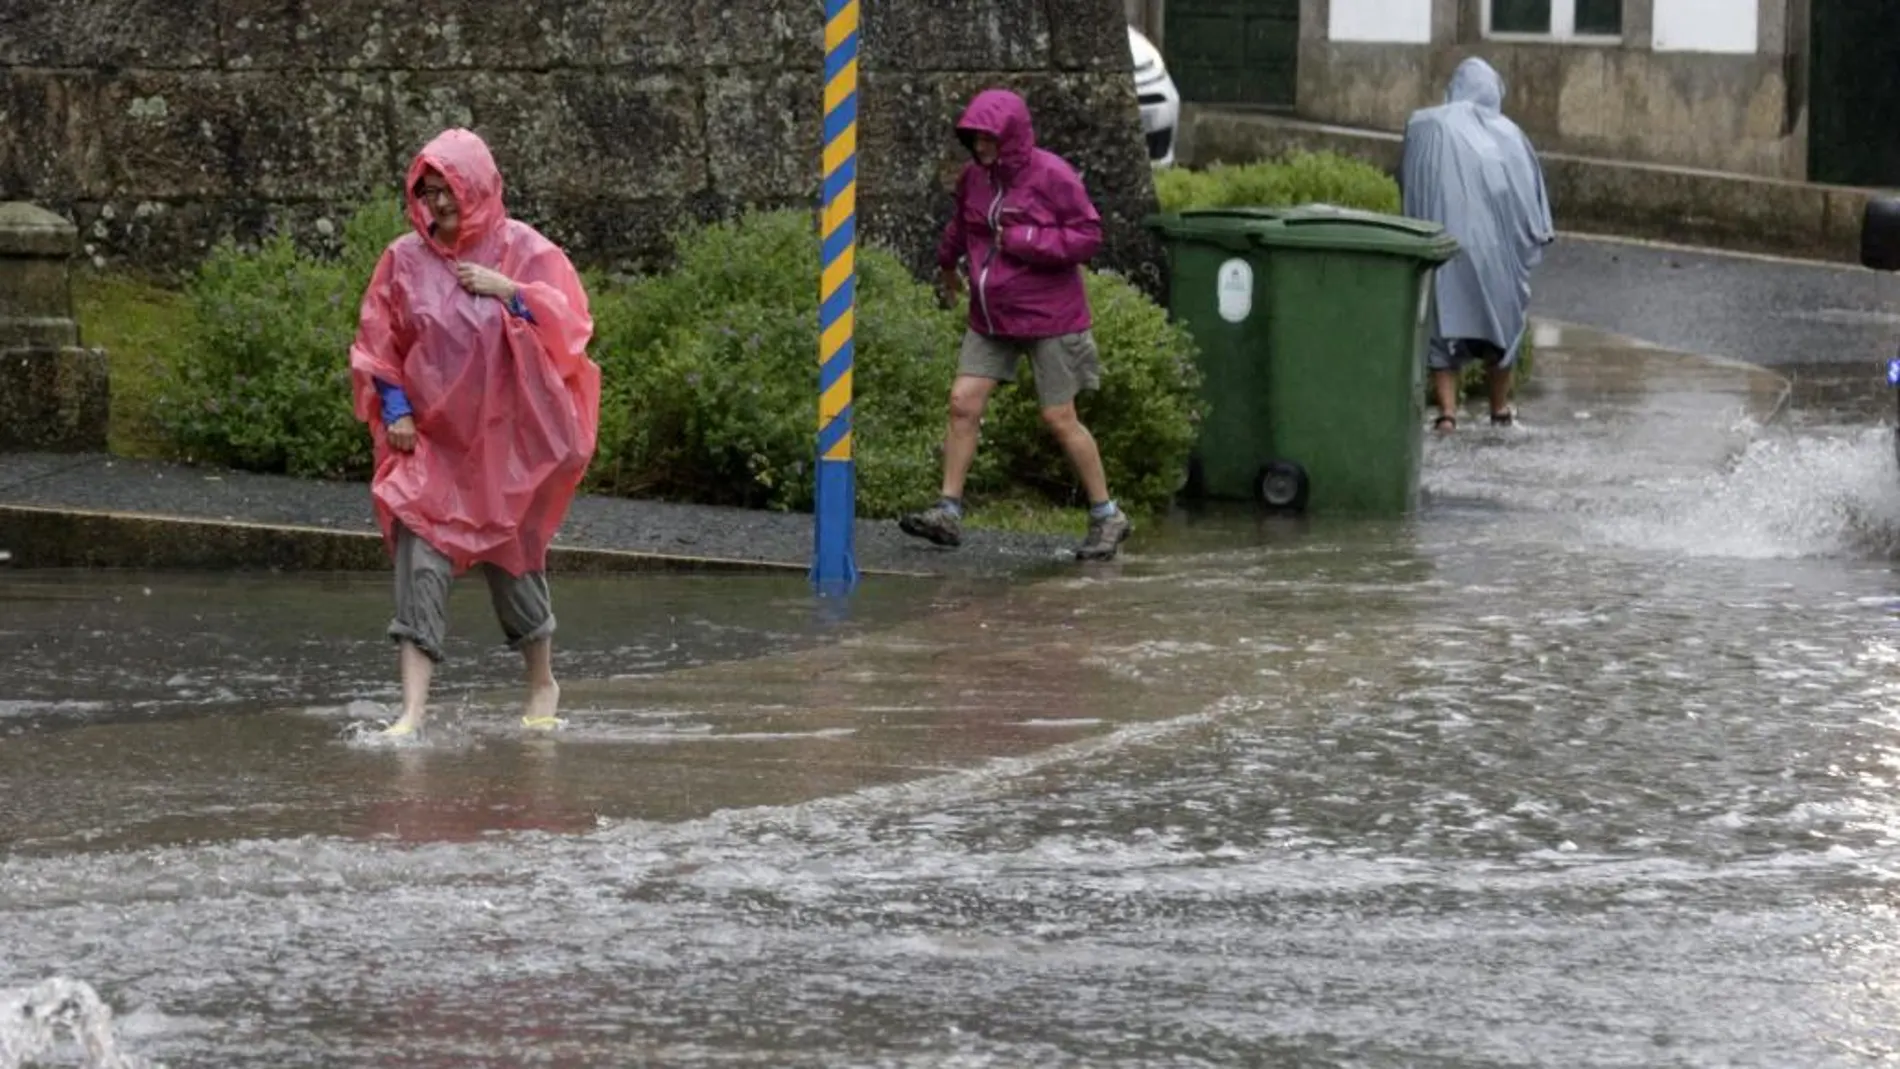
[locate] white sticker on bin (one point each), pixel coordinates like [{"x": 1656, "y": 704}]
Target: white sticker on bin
[{"x": 1235, "y": 290}]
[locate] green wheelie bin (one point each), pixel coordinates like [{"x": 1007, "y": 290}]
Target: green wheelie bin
[{"x": 1312, "y": 324}]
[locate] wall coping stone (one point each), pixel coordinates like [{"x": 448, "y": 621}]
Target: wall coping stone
[
  {"x": 1717, "y": 209},
  {"x": 28, "y": 230}
]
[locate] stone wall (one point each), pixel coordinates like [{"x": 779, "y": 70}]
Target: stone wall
[
  {"x": 1588, "y": 194},
  {"x": 159, "y": 126},
  {"x": 1719, "y": 111}
]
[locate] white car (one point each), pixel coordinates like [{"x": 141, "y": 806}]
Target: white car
[{"x": 1160, "y": 101}]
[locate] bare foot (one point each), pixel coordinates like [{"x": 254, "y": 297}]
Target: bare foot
[
  {"x": 544, "y": 702},
  {"x": 408, "y": 724}
]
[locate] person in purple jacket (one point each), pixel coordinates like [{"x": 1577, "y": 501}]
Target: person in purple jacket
[{"x": 1022, "y": 230}]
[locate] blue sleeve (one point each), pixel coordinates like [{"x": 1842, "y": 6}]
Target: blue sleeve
[
  {"x": 395, "y": 402},
  {"x": 520, "y": 307}
]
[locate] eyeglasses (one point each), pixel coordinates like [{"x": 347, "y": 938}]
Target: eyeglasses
[{"x": 434, "y": 193}]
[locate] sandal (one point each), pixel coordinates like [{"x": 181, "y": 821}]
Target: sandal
[
  {"x": 1445, "y": 424},
  {"x": 1506, "y": 418}
]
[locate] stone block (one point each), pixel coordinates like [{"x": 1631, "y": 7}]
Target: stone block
[
  {"x": 53, "y": 399},
  {"x": 302, "y": 36},
  {"x": 50, "y": 147},
  {"x": 167, "y": 238},
  {"x": 776, "y": 150},
  {"x": 108, "y": 34},
  {"x": 32, "y": 288},
  {"x": 908, "y": 226},
  {"x": 906, "y": 131},
  {"x": 568, "y": 134},
  {"x": 480, "y": 34},
  {"x": 911, "y": 129},
  {"x": 1586, "y": 108},
  {"x": 1089, "y": 35},
  {"x": 1845, "y": 213},
  {"x": 163, "y": 236},
  {"x": 28, "y": 231},
  {"x": 528, "y": 35},
  {"x": 1376, "y": 86},
  {"x": 637, "y": 34},
  {"x": 243, "y": 134},
  {"x": 1533, "y": 79},
  {"x": 788, "y": 34},
  {"x": 36, "y": 305},
  {"x": 958, "y": 35},
  {"x": 624, "y": 232}
]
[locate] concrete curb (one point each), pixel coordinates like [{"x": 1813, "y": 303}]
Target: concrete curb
[
  {"x": 1713, "y": 209},
  {"x": 46, "y": 537}
]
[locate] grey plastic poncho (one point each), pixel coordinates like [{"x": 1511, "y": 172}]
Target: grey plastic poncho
[{"x": 1471, "y": 170}]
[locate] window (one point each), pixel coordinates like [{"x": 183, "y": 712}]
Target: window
[{"x": 1557, "y": 19}]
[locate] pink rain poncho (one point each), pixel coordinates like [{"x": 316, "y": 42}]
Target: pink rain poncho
[{"x": 506, "y": 408}]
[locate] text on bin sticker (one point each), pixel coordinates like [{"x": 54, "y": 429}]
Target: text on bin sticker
[{"x": 1235, "y": 285}]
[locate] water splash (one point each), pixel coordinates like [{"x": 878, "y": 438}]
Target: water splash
[
  {"x": 34, "y": 1021},
  {"x": 1740, "y": 491},
  {"x": 1783, "y": 496}
]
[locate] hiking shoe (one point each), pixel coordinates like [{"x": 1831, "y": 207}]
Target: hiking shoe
[
  {"x": 936, "y": 523},
  {"x": 1105, "y": 537}
]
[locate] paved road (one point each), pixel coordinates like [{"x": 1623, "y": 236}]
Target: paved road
[{"x": 1829, "y": 328}]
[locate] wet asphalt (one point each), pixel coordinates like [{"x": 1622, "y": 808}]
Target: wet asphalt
[{"x": 1829, "y": 328}]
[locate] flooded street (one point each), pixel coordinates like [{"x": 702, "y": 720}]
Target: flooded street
[{"x": 1591, "y": 763}]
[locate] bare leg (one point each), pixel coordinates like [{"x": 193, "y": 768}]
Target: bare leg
[
  {"x": 544, "y": 694},
  {"x": 969, "y": 395},
  {"x": 1499, "y": 380},
  {"x": 417, "y": 671},
  {"x": 1079, "y": 444},
  {"x": 1445, "y": 388}
]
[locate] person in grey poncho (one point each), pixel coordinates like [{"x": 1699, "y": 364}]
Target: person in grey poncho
[{"x": 1474, "y": 172}]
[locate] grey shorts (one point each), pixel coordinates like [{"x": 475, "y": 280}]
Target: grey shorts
[
  {"x": 1452, "y": 354},
  {"x": 423, "y": 577},
  {"x": 1063, "y": 366}
]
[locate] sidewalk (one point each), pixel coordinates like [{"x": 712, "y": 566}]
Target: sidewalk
[{"x": 92, "y": 510}]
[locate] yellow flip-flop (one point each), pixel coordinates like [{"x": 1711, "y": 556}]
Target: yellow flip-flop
[
  {"x": 398, "y": 730},
  {"x": 541, "y": 723}
]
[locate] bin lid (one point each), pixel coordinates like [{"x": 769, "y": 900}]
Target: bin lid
[
  {"x": 1218, "y": 226},
  {"x": 1323, "y": 226}
]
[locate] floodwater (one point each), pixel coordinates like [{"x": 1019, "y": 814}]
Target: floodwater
[{"x": 1592, "y": 763}]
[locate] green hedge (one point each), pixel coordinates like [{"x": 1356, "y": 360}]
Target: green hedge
[
  {"x": 1297, "y": 178},
  {"x": 260, "y": 380},
  {"x": 709, "y": 375}
]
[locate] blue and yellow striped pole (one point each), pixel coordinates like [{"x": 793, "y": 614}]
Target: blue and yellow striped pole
[{"x": 834, "y": 568}]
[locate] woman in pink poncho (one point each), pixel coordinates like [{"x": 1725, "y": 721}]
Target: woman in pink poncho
[{"x": 470, "y": 367}]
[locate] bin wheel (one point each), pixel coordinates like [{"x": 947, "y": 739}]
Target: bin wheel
[
  {"x": 1281, "y": 486},
  {"x": 1194, "y": 485}
]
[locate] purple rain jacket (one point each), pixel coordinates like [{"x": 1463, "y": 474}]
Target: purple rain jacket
[{"x": 1028, "y": 284}]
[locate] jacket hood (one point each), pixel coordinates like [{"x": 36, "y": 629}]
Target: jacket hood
[
  {"x": 1476, "y": 82},
  {"x": 466, "y": 165},
  {"x": 1004, "y": 116}
]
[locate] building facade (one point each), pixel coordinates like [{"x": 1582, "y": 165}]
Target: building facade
[{"x": 1798, "y": 89}]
